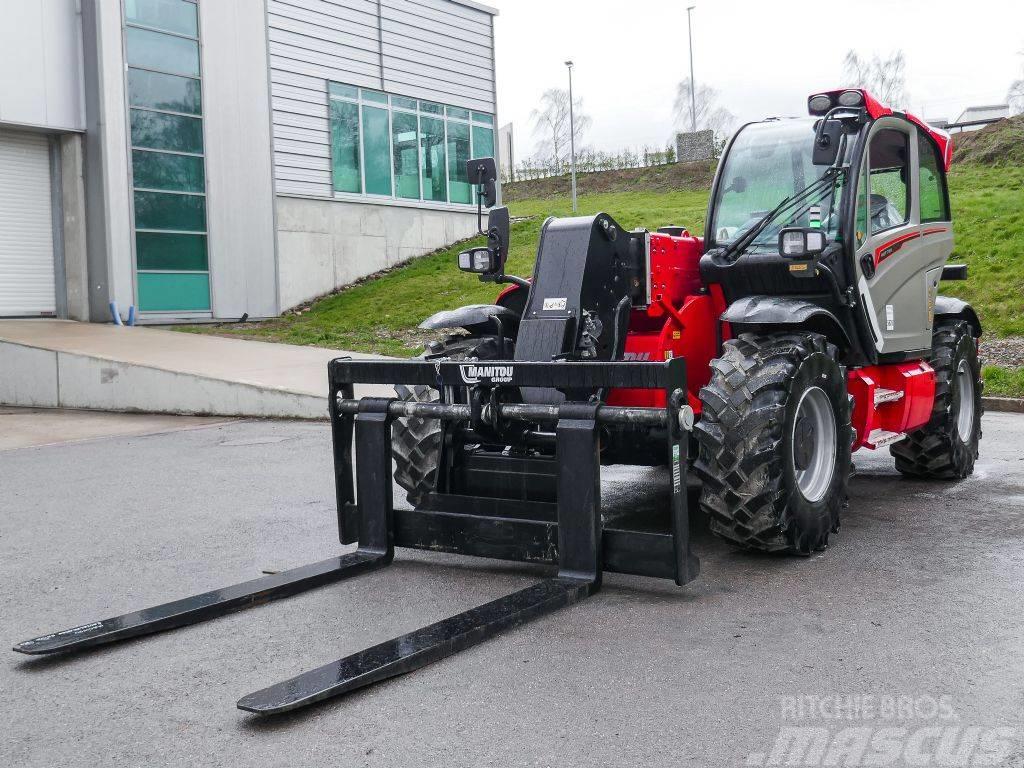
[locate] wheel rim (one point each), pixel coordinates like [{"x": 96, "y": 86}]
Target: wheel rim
[
  {"x": 813, "y": 444},
  {"x": 965, "y": 401}
]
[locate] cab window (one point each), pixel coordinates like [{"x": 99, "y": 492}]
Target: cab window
[
  {"x": 889, "y": 201},
  {"x": 934, "y": 200}
]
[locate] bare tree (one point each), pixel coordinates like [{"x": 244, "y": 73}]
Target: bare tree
[
  {"x": 1015, "y": 96},
  {"x": 551, "y": 126},
  {"x": 710, "y": 116},
  {"x": 885, "y": 79}
]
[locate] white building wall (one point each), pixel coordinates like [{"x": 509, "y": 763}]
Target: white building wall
[
  {"x": 41, "y": 64},
  {"x": 324, "y": 244},
  {"x": 239, "y": 185}
]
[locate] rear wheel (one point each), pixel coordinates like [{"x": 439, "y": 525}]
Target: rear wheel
[
  {"x": 947, "y": 446},
  {"x": 775, "y": 442},
  {"x": 416, "y": 442}
]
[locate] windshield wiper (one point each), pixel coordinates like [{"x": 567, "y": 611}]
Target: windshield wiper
[{"x": 743, "y": 242}]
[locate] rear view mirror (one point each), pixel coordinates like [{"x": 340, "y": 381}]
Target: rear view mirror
[
  {"x": 801, "y": 243},
  {"x": 826, "y": 142},
  {"x": 498, "y": 226},
  {"x": 483, "y": 172}
]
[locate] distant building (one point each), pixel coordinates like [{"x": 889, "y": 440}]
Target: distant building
[
  {"x": 937, "y": 122},
  {"x": 989, "y": 113},
  {"x": 205, "y": 159}
]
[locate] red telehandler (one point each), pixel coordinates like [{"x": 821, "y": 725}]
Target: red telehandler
[{"x": 805, "y": 325}]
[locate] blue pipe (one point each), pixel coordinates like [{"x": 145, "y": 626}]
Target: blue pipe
[
  {"x": 115, "y": 314},
  {"x": 131, "y": 315}
]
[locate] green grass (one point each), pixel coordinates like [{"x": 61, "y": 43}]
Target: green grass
[
  {"x": 1004, "y": 382},
  {"x": 381, "y": 315}
]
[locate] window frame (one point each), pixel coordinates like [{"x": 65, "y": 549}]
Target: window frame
[
  {"x": 127, "y": 25},
  {"x": 908, "y": 215},
  {"x": 444, "y": 115}
]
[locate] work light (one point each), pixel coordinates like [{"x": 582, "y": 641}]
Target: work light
[{"x": 851, "y": 99}]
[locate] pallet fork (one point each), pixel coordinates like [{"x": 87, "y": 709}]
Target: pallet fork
[{"x": 568, "y": 533}]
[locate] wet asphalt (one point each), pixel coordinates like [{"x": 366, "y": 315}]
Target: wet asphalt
[{"x": 918, "y": 600}]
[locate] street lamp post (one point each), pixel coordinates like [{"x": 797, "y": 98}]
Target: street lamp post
[
  {"x": 693, "y": 85},
  {"x": 572, "y": 136}
]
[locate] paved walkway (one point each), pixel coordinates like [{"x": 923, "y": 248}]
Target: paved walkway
[{"x": 57, "y": 363}]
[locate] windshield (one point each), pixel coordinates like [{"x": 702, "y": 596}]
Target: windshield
[{"x": 767, "y": 163}]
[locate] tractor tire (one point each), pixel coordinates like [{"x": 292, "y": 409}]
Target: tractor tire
[
  {"x": 415, "y": 442},
  {"x": 947, "y": 446},
  {"x": 775, "y": 441}
]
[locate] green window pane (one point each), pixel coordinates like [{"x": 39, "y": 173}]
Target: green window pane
[
  {"x": 166, "y": 53},
  {"x": 344, "y": 91},
  {"x": 458, "y": 113},
  {"x": 405, "y": 141},
  {"x": 163, "y": 250},
  {"x": 174, "y": 292},
  {"x": 345, "y": 146},
  {"x": 175, "y": 173},
  {"x": 163, "y": 210},
  {"x": 433, "y": 109},
  {"x": 374, "y": 96},
  {"x": 483, "y": 142},
  {"x": 933, "y": 191},
  {"x": 377, "y": 151},
  {"x": 173, "y": 15},
  {"x": 177, "y": 133},
  {"x": 459, "y": 188},
  {"x": 432, "y": 155},
  {"x": 403, "y": 103},
  {"x": 480, "y": 117},
  {"x": 170, "y": 92}
]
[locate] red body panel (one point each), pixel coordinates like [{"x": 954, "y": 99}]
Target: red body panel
[
  {"x": 682, "y": 320},
  {"x": 916, "y": 382}
]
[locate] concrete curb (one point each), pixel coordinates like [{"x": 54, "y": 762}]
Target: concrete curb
[{"x": 1004, "y": 404}]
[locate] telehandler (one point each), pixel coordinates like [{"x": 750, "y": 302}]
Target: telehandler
[{"x": 805, "y": 325}]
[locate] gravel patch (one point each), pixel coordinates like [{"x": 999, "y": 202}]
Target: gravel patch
[{"x": 1005, "y": 352}]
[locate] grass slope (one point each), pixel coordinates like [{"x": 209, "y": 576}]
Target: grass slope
[{"x": 380, "y": 315}]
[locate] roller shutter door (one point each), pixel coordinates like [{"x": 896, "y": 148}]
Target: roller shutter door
[{"x": 26, "y": 226}]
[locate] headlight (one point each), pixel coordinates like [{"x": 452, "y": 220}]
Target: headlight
[
  {"x": 851, "y": 99},
  {"x": 820, "y": 104}
]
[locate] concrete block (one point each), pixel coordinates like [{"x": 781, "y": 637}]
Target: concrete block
[
  {"x": 28, "y": 376},
  {"x": 296, "y": 215},
  {"x": 306, "y": 266},
  {"x": 107, "y": 385}
]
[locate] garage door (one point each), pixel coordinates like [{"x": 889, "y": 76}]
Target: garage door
[{"x": 26, "y": 226}]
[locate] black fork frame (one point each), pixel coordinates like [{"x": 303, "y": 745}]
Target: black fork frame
[{"x": 570, "y": 536}]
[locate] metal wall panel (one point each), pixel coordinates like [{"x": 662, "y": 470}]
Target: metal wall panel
[
  {"x": 239, "y": 185},
  {"x": 437, "y": 50},
  {"x": 26, "y": 226},
  {"x": 41, "y": 64}
]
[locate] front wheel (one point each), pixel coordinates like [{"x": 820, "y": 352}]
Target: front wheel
[
  {"x": 775, "y": 441},
  {"x": 947, "y": 446}
]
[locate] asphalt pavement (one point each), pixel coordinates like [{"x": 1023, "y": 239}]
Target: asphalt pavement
[{"x": 911, "y": 621}]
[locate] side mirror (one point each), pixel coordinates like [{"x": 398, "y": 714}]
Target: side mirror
[
  {"x": 827, "y": 139},
  {"x": 801, "y": 243},
  {"x": 483, "y": 172}
]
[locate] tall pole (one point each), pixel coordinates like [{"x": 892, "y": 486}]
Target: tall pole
[
  {"x": 693, "y": 84},
  {"x": 572, "y": 137}
]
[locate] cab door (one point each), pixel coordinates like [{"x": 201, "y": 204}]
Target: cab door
[{"x": 901, "y": 253}]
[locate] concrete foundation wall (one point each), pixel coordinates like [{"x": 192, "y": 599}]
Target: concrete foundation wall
[
  {"x": 72, "y": 195},
  {"x": 326, "y": 244}
]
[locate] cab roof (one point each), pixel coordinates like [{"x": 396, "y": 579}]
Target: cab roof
[{"x": 876, "y": 109}]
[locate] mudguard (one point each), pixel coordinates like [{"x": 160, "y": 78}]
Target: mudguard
[
  {"x": 950, "y": 307},
  {"x": 775, "y": 311},
  {"x": 474, "y": 318}
]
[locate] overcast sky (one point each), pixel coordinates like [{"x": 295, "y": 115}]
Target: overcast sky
[{"x": 764, "y": 57}]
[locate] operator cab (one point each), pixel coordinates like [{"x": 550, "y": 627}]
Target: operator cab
[{"x": 809, "y": 211}]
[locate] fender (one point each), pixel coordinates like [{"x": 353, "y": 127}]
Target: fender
[
  {"x": 950, "y": 307},
  {"x": 777, "y": 312},
  {"x": 475, "y": 318}
]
